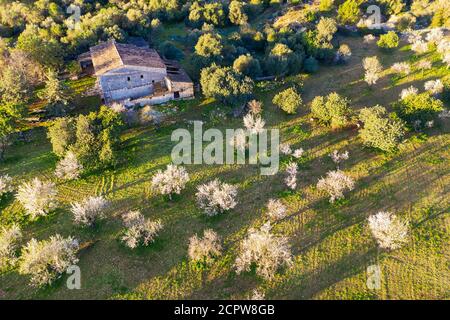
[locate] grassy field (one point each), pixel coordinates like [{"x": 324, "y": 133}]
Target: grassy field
[{"x": 330, "y": 242}]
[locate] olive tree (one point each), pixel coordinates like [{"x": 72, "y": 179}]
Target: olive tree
[
  {"x": 288, "y": 100},
  {"x": 380, "y": 130},
  {"x": 333, "y": 110}
]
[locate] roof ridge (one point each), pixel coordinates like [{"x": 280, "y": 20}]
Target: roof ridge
[{"x": 117, "y": 51}]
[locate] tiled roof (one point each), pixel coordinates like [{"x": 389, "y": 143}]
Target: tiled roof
[
  {"x": 175, "y": 72},
  {"x": 111, "y": 55}
]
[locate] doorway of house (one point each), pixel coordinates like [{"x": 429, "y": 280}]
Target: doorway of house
[{"x": 176, "y": 94}]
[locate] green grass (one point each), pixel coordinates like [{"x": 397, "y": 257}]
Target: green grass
[{"x": 330, "y": 242}]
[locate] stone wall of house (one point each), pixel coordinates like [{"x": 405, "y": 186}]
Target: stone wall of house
[
  {"x": 152, "y": 100},
  {"x": 127, "y": 82}
]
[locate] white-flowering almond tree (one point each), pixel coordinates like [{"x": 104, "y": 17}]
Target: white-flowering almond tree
[
  {"x": 339, "y": 157},
  {"x": 138, "y": 230},
  {"x": 37, "y": 197},
  {"x": 44, "y": 261},
  {"x": 9, "y": 244},
  {"x": 373, "y": 68},
  {"x": 89, "y": 211},
  {"x": 170, "y": 181},
  {"x": 5, "y": 185},
  {"x": 335, "y": 183},
  {"x": 69, "y": 168},
  {"x": 205, "y": 248},
  {"x": 276, "y": 209},
  {"x": 291, "y": 175},
  {"x": 389, "y": 230},
  {"x": 253, "y": 123},
  {"x": 265, "y": 250},
  {"x": 216, "y": 197}
]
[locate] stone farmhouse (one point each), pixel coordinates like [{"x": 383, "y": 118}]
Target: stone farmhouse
[{"x": 135, "y": 75}]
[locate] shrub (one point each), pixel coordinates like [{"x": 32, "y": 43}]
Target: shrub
[
  {"x": 247, "y": 65},
  {"x": 379, "y": 130},
  {"x": 291, "y": 175},
  {"x": 348, "y": 12},
  {"x": 171, "y": 181},
  {"x": 332, "y": 110},
  {"x": 389, "y": 40},
  {"x": 369, "y": 38},
  {"x": 138, "y": 230},
  {"x": 288, "y": 100},
  {"x": 89, "y": 211},
  {"x": 254, "y": 124},
  {"x": 276, "y": 209},
  {"x": 343, "y": 54},
  {"x": 256, "y": 294},
  {"x": 216, "y": 197},
  {"x": 389, "y": 231},
  {"x": 9, "y": 244},
  {"x": 69, "y": 168},
  {"x": 46, "y": 260},
  {"x": 37, "y": 197},
  {"x": 169, "y": 51},
  {"x": 265, "y": 250},
  {"x": 206, "y": 248},
  {"x": 421, "y": 107},
  {"x": 335, "y": 184},
  {"x": 5, "y": 185},
  {"x": 311, "y": 65}
]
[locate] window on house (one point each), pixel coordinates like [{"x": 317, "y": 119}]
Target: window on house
[
  {"x": 128, "y": 78},
  {"x": 142, "y": 76}
]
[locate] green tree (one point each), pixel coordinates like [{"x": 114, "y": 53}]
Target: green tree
[
  {"x": 209, "y": 45},
  {"x": 333, "y": 110},
  {"x": 282, "y": 60},
  {"x": 14, "y": 86},
  {"x": 421, "y": 107},
  {"x": 10, "y": 115},
  {"x": 389, "y": 40},
  {"x": 237, "y": 13},
  {"x": 247, "y": 65},
  {"x": 62, "y": 135},
  {"x": 225, "y": 84},
  {"x": 380, "y": 130},
  {"x": 326, "y": 28},
  {"x": 348, "y": 12},
  {"x": 56, "y": 93},
  {"x": 47, "y": 52},
  {"x": 288, "y": 100}
]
